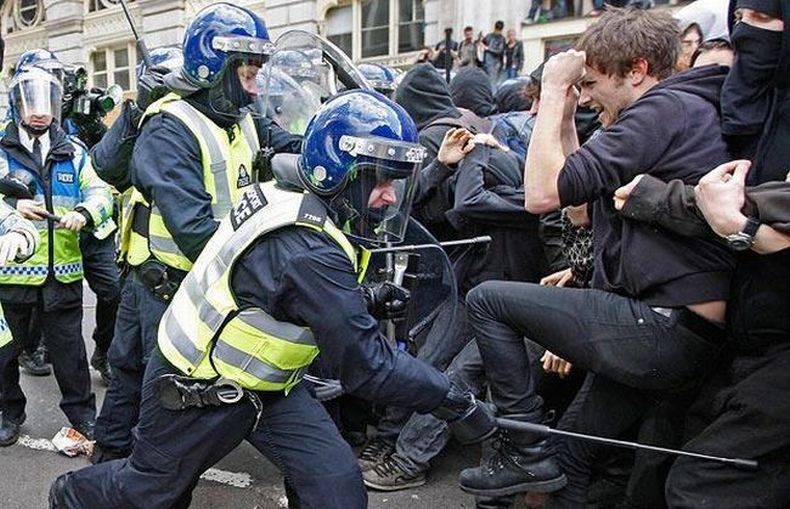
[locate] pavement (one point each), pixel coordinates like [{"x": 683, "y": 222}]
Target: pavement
[{"x": 243, "y": 479}]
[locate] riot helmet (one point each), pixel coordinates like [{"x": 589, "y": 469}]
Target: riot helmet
[
  {"x": 35, "y": 97},
  {"x": 381, "y": 78},
  {"x": 169, "y": 57},
  {"x": 360, "y": 154},
  {"x": 224, "y": 48}
]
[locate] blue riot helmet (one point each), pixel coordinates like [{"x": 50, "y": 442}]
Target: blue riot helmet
[
  {"x": 35, "y": 97},
  {"x": 43, "y": 59},
  {"x": 381, "y": 77},
  {"x": 169, "y": 57},
  {"x": 360, "y": 153},
  {"x": 224, "y": 48}
]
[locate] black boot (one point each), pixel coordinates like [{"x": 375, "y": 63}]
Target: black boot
[
  {"x": 100, "y": 364},
  {"x": 521, "y": 462},
  {"x": 9, "y": 431},
  {"x": 34, "y": 363}
]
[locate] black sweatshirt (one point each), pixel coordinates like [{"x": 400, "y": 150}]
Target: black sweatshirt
[{"x": 671, "y": 132}]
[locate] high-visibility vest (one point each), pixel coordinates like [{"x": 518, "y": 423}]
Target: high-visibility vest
[
  {"x": 72, "y": 183},
  {"x": 203, "y": 332},
  {"x": 227, "y": 168}
]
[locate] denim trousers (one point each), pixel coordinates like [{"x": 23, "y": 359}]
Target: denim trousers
[
  {"x": 173, "y": 448},
  {"x": 635, "y": 356}
]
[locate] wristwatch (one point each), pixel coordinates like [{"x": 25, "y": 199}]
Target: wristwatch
[{"x": 744, "y": 239}]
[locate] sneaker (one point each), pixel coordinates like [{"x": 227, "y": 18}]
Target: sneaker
[
  {"x": 375, "y": 452},
  {"x": 390, "y": 476},
  {"x": 100, "y": 364},
  {"x": 33, "y": 364}
]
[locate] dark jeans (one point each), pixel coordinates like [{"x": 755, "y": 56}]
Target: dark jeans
[
  {"x": 136, "y": 329},
  {"x": 174, "y": 447},
  {"x": 442, "y": 342},
  {"x": 101, "y": 272},
  {"x": 745, "y": 411},
  {"x": 633, "y": 352},
  {"x": 63, "y": 337}
]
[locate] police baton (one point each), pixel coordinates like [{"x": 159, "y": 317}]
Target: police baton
[
  {"x": 483, "y": 239},
  {"x": 140, "y": 42},
  {"x": 541, "y": 429}
]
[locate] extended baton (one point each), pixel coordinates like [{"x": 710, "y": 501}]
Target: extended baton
[
  {"x": 140, "y": 43},
  {"x": 416, "y": 247},
  {"x": 542, "y": 429}
]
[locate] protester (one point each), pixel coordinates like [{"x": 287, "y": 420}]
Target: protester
[
  {"x": 494, "y": 49},
  {"x": 445, "y": 55},
  {"x": 514, "y": 55},
  {"x": 471, "y": 90},
  {"x": 467, "y": 50}
]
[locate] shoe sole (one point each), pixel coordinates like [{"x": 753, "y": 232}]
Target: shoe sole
[
  {"x": 43, "y": 372},
  {"x": 384, "y": 487},
  {"x": 538, "y": 486}
]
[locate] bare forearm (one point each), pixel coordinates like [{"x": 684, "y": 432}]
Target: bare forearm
[
  {"x": 767, "y": 240},
  {"x": 545, "y": 157},
  {"x": 570, "y": 139}
]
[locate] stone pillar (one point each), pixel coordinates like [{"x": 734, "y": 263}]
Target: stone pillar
[
  {"x": 64, "y": 25},
  {"x": 163, "y": 22}
]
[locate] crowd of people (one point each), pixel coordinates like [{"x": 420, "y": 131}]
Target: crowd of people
[{"x": 635, "y": 195}]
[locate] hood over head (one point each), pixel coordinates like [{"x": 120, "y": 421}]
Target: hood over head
[
  {"x": 425, "y": 96},
  {"x": 705, "y": 82},
  {"x": 471, "y": 89},
  {"x": 511, "y": 95}
]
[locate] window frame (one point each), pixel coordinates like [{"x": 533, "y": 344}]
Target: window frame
[{"x": 111, "y": 68}]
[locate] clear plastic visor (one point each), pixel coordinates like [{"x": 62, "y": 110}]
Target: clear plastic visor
[
  {"x": 238, "y": 88},
  {"x": 36, "y": 97}
]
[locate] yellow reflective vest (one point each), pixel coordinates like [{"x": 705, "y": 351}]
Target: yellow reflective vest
[
  {"x": 203, "y": 332},
  {"x": 227, "y": 168},
  {"x": 72, "y": 183}
]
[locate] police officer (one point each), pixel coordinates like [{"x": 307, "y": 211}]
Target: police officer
[
  {"x": 276, "y": 284},
  {"x": 68, "y": 196},
  {"x": 193, "y": 155}
]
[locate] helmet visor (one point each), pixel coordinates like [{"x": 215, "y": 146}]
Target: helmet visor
[
  {"x": 379, "y": 195},
  {"x": 36, "y": 97},
  {"x": 317, "y": 70},
  {"x": 238, "y": 89}
]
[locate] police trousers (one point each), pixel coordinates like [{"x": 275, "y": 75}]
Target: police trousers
[
  {"x": 136, "y": 326},
  {"x": 103, "y": 277},
  {"x": 62, "y": 329},
  {"x": 173, "y": 448}
]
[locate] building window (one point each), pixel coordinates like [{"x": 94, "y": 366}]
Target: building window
[
  {"x": 411, "y": 20},
  {"x": 114, "y": 66},
  {"x": 377, "y": 28},
  {"x": 22, "y": 14},
  {"x": 339, "y": 23},
  {"x": 100, "y": 5}
]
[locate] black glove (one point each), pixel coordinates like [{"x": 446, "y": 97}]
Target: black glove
[
  {"x": 469, "y": 420},
  {"x": 386, "y": 301},
  {"x": 151, "y": 86}
]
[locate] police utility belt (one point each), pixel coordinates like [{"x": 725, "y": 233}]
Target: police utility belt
[
  {"x": 176, "y": 392},
  {"x": 162, "y": 280}
]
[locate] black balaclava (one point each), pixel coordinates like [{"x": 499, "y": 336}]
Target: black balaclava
[
  {"x": 471, "y": 89},
  {"x": 748, "y": 89},
  {"x": 425, "y": 96}
]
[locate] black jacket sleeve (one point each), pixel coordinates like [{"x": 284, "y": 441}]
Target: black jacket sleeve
[
  {"x": 167, "y": 170},
  {"x": 473, "y": 201},
  {"x": 112, "y": 155},
  {"x": 274, "y": 136},
  {"x": 316, "y": 287}
]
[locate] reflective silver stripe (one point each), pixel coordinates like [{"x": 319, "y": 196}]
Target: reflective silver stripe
[
  {"x": 262, "y": 321},
  {"x": 218, "y": 164},
  {"x": 206, "y": 312},
  {"x": 180, "y": 340},
  {"x": 250, "y": 134},
  {"x": 164, "y": 245},
  {"x": 249, "y": 364},
  {"x": 66, "y": 202}
]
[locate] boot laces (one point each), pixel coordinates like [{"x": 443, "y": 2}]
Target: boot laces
[{"x": 375, "y": 450}]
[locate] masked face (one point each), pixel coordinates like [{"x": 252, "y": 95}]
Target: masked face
[{"x": 606, "y": 94}]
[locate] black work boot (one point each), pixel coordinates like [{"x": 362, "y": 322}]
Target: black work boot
[
  {"x": 34, "y": 363},
  {"x": 99, "y": 363},
  {"x": 521, "y": 462},
  {"x": 9, "y": 431}
]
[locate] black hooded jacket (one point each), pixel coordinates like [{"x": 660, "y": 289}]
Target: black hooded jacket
[
  {"x": 471, "y": 89},
  {"x": 671, "y": 132},
  {"x": 425, "y": 97}
]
